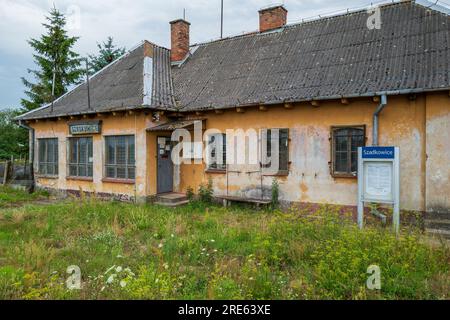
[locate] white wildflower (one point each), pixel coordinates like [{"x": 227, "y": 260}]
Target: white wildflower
[
  {"x": 111, "y": 279},
  {"x": 119, "y": 269},
  {"x": 160, "y": 245},
  {"x": 123, "y": 283}
]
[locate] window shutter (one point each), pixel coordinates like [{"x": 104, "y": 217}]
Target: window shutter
[
  {"x": 284, "y": 150},
  {"x": 263, "y": 151}
]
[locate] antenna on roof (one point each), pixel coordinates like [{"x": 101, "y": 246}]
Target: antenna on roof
[
  {"x": 221, "y": 19},
  {"x": 88, "y": 85},
  {"x": 184, "y": 13}
]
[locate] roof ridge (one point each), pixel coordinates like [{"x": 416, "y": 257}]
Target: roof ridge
[{"x": 382, "y": 4}]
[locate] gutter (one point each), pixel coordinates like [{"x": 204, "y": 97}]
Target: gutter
[
  {"x": 376, "y": 115},
  {"x": 31, "y": 151}
]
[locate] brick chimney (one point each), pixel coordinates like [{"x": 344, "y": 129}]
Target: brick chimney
[
  {"x": 272, "y": 18},
  {"x": 179, "y": 32}
]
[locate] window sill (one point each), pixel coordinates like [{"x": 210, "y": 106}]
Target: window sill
[
  {"x": 121, "y": 181},
  {"x": 344, "y": 176},
  {"x": 89, "y": 179},
  {"x": 279, "y": 174},
  {"x": 43, "y": 176},
  {"x": 215, "y": 171}
]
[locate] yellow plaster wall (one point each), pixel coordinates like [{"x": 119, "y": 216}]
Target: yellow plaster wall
[
  {"x": 420, "y": 127},
  {"x": 438, "y": 153},
  {"x": 403, "y": 123},
  {"x": 121, "y": 124}
]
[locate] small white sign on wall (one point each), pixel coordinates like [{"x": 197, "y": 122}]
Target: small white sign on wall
[{"x": 379, "y": 180}]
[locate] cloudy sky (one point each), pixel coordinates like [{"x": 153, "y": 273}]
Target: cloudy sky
[{"x": 129, "y": 22}]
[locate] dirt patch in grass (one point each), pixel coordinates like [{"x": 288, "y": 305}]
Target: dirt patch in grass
[{"x": 13, "y": 198}]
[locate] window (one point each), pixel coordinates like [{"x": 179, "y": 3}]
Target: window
[
  {"x": 120, "y": 157},
  {"x": 48, "y": 156},
  {"x": 80, "y": 157},
  {"x": 217, "y": 152},
  {"x": 270, "y": 137},
  {"x": 345, "y": 144}
]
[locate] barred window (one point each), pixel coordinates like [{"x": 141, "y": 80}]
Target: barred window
[
  {"x": 80, "y": 157},
  {"x": 48, "y": 156},
  {"x": 120, "y": 157},
  {"x": 217, "y": 152},
  {"x": 345, "y": 143},
  {"x": 282, "y": 135}
]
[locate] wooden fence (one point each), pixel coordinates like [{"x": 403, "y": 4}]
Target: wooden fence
[{"x": 15, "y": 172}]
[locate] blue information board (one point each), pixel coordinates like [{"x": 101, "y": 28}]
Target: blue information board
[{"x": 378, "y": 152}]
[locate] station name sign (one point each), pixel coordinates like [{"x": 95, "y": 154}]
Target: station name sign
[
  {"x": 80, "y": 128},
  {"x": 378, "y": 153}
]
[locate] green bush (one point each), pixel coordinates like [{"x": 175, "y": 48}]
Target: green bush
[
  {"x": 206, "y": 192},
  {"x": 275, "y": 194},
  {"x": 190, "y": 193}
]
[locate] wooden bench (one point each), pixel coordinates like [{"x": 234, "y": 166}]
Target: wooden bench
[{"x": 227, "y": 200}]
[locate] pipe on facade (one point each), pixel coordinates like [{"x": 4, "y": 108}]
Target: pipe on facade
[
  {"x": 31, "y": 151},
  {"x": 376, "y": 115}
]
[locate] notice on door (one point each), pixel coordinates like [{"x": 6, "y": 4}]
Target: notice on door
[{"x": 378, "y": 184}]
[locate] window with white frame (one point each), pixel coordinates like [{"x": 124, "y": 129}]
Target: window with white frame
[
  {"x": 81, "y": 157},
  {"x": 120, "y": 160},
  {"x": 48, "y": 156}
]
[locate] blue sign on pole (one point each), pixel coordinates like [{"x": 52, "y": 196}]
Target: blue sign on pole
[{"x": 378, "y": 152}]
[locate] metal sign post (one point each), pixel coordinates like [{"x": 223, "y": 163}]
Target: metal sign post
[{"x": 379, "y": 180}]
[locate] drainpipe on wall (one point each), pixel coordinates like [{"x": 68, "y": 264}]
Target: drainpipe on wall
[
  {"x": 375, "y": 138},
  {"x": 31, "y": 151},
  {"x": 380, "y": 108}
]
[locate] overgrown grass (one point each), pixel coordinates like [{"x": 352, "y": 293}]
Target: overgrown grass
[
  {"x": 127, "y": 251},
  {"x": 12, "y": 197}
]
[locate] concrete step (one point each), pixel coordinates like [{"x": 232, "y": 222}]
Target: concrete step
[
  {"x": 172, "y": 205},
  {"x": 171, "y": 198},
  {"x": 438, "y": 233},
  {"x": 438, "y": 224},
  {"x": 438, "y": 216}
]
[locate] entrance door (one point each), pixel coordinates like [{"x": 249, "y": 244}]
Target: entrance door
[{"x": 165, "y": 165}]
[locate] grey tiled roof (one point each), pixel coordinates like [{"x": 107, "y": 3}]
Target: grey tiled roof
[
  {"x": 323, "y": 59},
  {"x": 119, "y": 86}
]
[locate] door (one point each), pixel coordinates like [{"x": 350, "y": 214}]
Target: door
[{"x": 165, "y": 165}]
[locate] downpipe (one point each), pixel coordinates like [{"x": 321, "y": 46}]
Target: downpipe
[
  {"x": 375, "y": 143},
  {"x": 31, "y": 151},
  {"x": 376, "y": 115}
]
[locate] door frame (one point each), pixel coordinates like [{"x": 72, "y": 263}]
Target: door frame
[{"x": 158, "y": 191}]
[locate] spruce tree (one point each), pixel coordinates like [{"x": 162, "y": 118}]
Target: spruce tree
[
  {"x": 107, "y": 53},
  {"x": 53, "y": 55}
]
